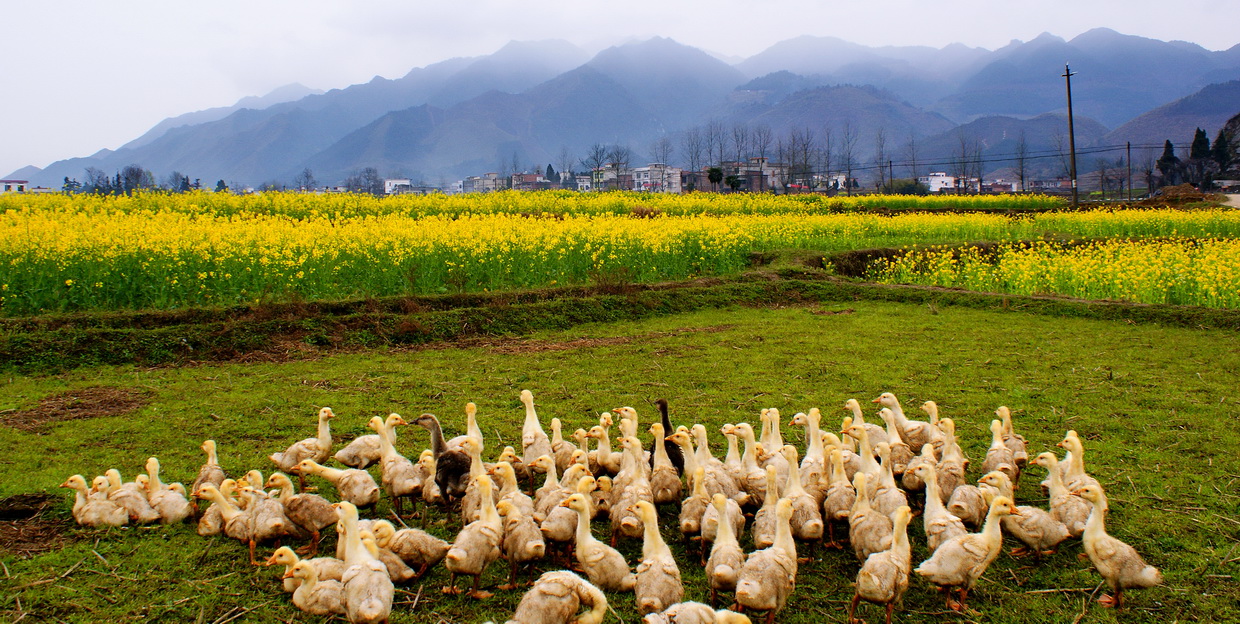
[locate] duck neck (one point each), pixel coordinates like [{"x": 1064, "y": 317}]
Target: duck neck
[
  {"x": 471, "y": 423},
  {"x": 691, "y": 461},
  {"x": 733, "y": 456},
  {"x": 1057, "y": 487},
  {"x": 1076, "y": 460},
  {"x": 793, "y": 488},
  {"x": 748, "y": 458},
  {"x": 212, "y": 458},
  {"x": 661, "y": 457},
  {"x": 286, "y": 490},
  {"x": 437, "y": 441},
  {"x": 996, "y": 437},
  {"x": 604, "y": 442},
  {"x": 583, "y": 525},
  {"x": 386, "y": 450},
  {"x": 475, "y": 461},
  {"x": 488, "y": 513},
  {"x": 777, "y": 436},
  {"x": 933, "y": 502},
  {"x": 325, "y": 432},
  {"x": 899, "y": 536},
  {"x": 155, "y": 485},
  {"x": 1095, "y": 525},
  {"x": 653, "y": 546},
  {"x": 724, "y": 534},
  {"x": 531, "y": 417},
  {"x": 557, "y": 433},
  {"x": 814, "y": 448},
  {"x": 553, "y": 479},
  {"x": 838, "y": 474},
  {"x": 783, "y": 536},
  {"x": 702, "y": 453},
  {"x": 990, "y": 529}
]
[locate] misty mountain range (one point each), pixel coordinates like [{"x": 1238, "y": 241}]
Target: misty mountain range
[{"x": 529, "y": 102}]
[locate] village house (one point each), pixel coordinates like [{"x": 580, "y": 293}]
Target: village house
[
  {"x": 14, "y": 186},
  {"x": 486, "y": 183}
]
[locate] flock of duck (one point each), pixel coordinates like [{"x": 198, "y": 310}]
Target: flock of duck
[{"x": 859, "y": 481}]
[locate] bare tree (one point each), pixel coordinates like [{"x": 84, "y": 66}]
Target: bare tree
[
  {"x": 961, "y": 161},
  {"x": 826, "y": 155},
  {"x": 1104, "y": 176},
  {"x": 1061, "y": 148},
  {"x": 716, "y": 141},
  {"x": 880, "y": 156},
  {"x": 979, "y": 163},
  {"x": 760, "y": 140},
  {"x": 662, "y": 150},
  {"x": 691, "y": 145},
  {"x": 305, "y": 181},
  {"x": 565, "y": 162},
  {"x": 740, "y": 141},
  {"x": 1022, "y": 158},
  {"x": 620, "y": 155},
  {"x": 848, "y": 157},
  {"x": 910, "y": 155},
  {"x": 799, "y": 155},
  {"x": 595, "y": 159}
]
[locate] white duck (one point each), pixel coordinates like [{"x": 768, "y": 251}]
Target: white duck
[
  {"x": 658, "y": 577},
  {"x": 769, "y": 575},
  {"x": 1118, "y": 563},
  {"x": 883, "y": 577},
  {"x": 534, "y": 440},
  {"x": 368, "y": 589},
  {"x": 962, "y": 560},
  {"x": 317, "y": 448}
]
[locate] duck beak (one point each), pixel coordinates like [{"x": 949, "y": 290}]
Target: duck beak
[
  {"x": 288, "y": 574},
  {"x": 876, "y": 401}
]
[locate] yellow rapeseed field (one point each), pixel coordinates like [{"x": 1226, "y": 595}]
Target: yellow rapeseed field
[{"x": 152, "y": 250}]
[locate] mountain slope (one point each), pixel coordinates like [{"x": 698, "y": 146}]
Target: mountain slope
[{"x": 1207, "y": 109}]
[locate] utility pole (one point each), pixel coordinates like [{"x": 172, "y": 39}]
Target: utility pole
[
  {"x": 1128, "y": 159},
  {"x": 1067, "y": 76},
  {"x": 891, "y": 180}
]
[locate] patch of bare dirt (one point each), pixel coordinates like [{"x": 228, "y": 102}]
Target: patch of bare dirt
[
  {"x": 93, "y": 402},
  {"x": 519, "y": 346},
  {"x": 26, "y": 529}
]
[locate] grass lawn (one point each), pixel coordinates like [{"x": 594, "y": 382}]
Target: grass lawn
[{"x": 1153, "y": 404}]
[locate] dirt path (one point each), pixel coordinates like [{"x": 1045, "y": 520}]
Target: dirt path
[{"x": 1233, "y": 199}]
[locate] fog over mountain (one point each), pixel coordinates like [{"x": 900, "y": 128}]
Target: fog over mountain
[{"x": 531, "y": 101}]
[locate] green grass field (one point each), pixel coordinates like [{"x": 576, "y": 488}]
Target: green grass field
[{"x": 1153, "y": 403}]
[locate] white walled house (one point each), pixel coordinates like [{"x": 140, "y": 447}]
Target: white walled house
[
  {"x": 14, "y": 186},
  {"x": 656, "y": 178}
]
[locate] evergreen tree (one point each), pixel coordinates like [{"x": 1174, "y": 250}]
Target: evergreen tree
[
  {"x": 1221, "y": 151},
  {"x": 1169, "y": 166},
  {"x": 220, "y": 187},
  {"x": 550, "y": 173},
  {"x": 1201, "y": 145}
]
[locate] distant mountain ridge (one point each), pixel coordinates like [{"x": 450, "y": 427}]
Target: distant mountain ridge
[{"x": 531, "y": 100}]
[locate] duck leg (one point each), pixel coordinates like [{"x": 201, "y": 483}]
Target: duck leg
[
  {"x": 1108, "y": 601},
  {"x": 312, "y": 548},
  {"x": 476, "y": 593},
  {"x": 512, "y": 577},
  {"x": 890, "y": 607},
  {"x": 852, "y": 609},
  {"x": 253, "y": 561},
  {"x": 451, "y": 588}
]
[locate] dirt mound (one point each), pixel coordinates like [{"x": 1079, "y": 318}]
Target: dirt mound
[
  {"x": 93, "y": 402},
  {"x": 1181, "y": 194},
  {"x": 25, "y": 527}
]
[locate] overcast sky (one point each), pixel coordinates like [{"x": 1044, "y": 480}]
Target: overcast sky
[{"x": 81, "y": 75}]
